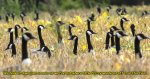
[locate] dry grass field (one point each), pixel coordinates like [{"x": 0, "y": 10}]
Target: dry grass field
[{"x": 62, "y": 57}]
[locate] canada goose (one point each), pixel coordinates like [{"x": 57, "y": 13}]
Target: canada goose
[
  {"x": 132, "y": 27},
  {"x": 88, "y": 33},
  {"x": 22, "y": 15},
  {"x": 118, "y": 35},
  {"x": 121, "y": 11},
  {"x": 122, "y": 21},
  {"x": 25, "y": 38},
  {"x": 58, "y": 24},
  {"x": 108, "y": 8},
  {"x": 11, "y": 44},
  {"x": 16, "y": 31},
  {"x": 144, "y": 13},
  {"x": 137, "y": 40},
  {"x": 124, "y": 11},
  {"x": 75, "y": 38},
  {"x": 43, "y": 47},
  {"x": 69, "y": 29},
  {"x": 13, "y": 16},
  {"x": 118, "y": 11},
  {"x": 99, "y": 10},
  {"x": 110, "y": 35},
  {"x": 7, "y": 18},
  {"x": 0, "y": 17},
  {"x": 37, "y": 16}
]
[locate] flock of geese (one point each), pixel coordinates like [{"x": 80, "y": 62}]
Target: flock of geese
[{"x": 112, "y": 37}]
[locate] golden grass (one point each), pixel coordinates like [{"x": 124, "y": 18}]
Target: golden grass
[{"x": 62, "y": 57}]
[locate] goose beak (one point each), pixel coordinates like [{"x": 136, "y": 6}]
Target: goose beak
[
  {"x": 147, "y": 37},
  {"x": 117, "y": 29},
  {"x": 125, "y": 34},
  {"x": 94, "y": 33},
  {"x": 33, "y": 38}
]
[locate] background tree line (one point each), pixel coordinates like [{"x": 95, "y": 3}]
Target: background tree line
[{"x": 51, "y": 6}]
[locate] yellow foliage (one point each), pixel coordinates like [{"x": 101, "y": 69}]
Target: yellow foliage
[
  {"x": 127, "y": 60},
  {"x": 117, "y": 66},
  {"x": 84, "y": 47},
  {"x": 105, "y": 14},
  {"x": 59, "y": 19},
  {"x": 78, "y": 18},
  {"x": 113, "y": 49}
]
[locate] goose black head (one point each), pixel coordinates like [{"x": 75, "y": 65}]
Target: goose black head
[
  {"x": 118, "y": 10},
  {"x": 124, "y": 19},
  {"x": 17, "y": 26},
  {"x": 41, "y": 27},
  {"x": 114, "y": 28},
  {"x": 72, "y": 25},
  {"x": 90, "y": 32},
  {"x": 108, "y": 8},
  {"x": 24, "y": 29},
  {"x": 10, "y": 30},
  {"x": 144, "y": 13},
  {"x": 22, "y": 14},
  {"x": 99, "y": 10},
  {"x": 141, "y": 36},
  {"x": 120, "y": 34},
  {"x": 60, "y": 23},
  {"x": 28, "y": 36},
  {"x": 124, "y": 11},
  {"x": 91, "y": 18}
]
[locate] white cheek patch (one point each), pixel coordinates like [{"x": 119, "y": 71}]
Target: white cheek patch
[
  {"x": 26, "y": 37},
  {"x": 24, "y": 29},
  {"x": 123, "y": 20},
  {"x": 89, "y": 20},
  {"x": 18, "y": 27},
  {"x": 112, "y": 29},
  {"x": 41, "y": 27},
  {"x": 26, "y": 61},
  {"x": 74, "y": 38},
  {"x": 22, "y": 15},
  {"x": 139, "y": 37},
  {"x": 10, "y": 46},
  {"x": 118, "y": 35},
  {"x": 89, "y": 32},
  {"x": 42, "y": 49},
  {"x": 70, "y": 26},
  {"x": 110, "y": 35},
  {"x": 11, "y": 30}
]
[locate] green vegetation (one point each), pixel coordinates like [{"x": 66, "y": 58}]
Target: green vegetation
[{"x": 15, "y": 6}]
